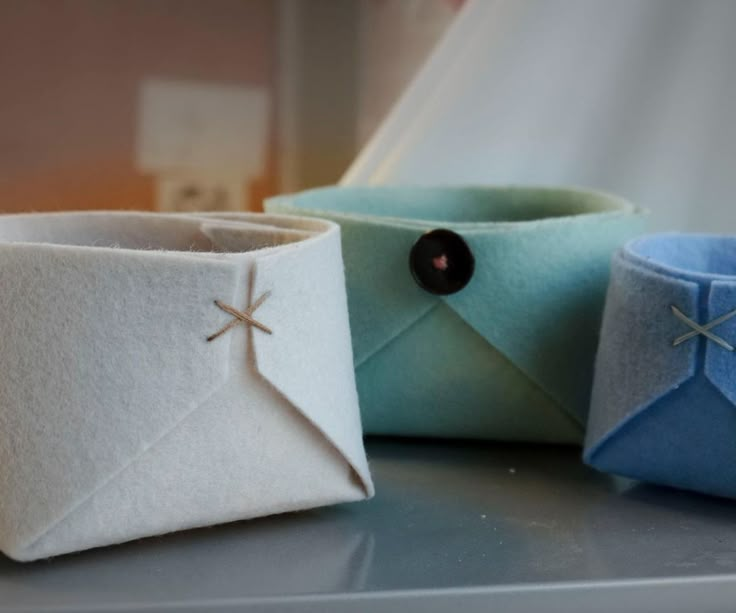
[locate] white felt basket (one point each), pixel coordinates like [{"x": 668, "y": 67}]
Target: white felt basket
[{"x": 163, "y": 372}]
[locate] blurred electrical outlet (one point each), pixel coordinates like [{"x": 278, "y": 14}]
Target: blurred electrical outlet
[
  {"x": 192, "y": 193},
  {"x": 193, "y": 126}
]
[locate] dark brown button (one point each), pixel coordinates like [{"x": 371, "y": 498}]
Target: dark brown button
[{"x": 441, "y": 262}]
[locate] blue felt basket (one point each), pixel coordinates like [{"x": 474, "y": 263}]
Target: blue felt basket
[{"x": 665, "y": 380}]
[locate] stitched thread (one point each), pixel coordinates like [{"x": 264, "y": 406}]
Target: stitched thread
[
  {"x": 244, "y": 317},
  {"x": 704, "y": 329}
]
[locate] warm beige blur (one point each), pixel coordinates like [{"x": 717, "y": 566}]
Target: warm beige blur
[{"x": 70, "y": 72}]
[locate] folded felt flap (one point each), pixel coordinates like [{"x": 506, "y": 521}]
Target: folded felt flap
[
  {"x": 245, "y": 452},
  {"x": 103, "y": 351},
  {"x": 308, "y": 358},
  {"x": 720, "y": 366},
  {"x": 637, "y": 363},
  {"x": 383, "y": 298},
  {"x": 537, "y": 296}
]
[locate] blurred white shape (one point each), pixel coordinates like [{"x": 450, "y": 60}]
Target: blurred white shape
[
  {"x": 628, "y": 96},
  {"x": 200, "y": 126}
]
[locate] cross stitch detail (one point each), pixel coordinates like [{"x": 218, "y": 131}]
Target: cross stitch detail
[
  {"x": 244, "y": 317},
  {"x": 705, "y": 330}
]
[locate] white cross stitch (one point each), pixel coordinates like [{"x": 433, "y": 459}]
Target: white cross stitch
[
  {"x": 244, "y": 317},
  {"x": 705, "y": 330}
]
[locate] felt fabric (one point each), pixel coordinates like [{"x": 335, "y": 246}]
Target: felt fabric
[
  {"x": 119, "y": 420},
  {"x": 510, "y": 356},
  {"x": 664, "y": 412}
]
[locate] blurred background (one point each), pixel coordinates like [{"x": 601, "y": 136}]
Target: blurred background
[
  {"x": 216, "y": 104},
  {"x": 187, "y": 103}
]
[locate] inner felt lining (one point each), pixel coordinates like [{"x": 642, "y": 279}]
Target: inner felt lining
[
  {"x": 699, "y": 254},
  {"x": 148, "y": 231},
  {"x": 461, "y": 205}
]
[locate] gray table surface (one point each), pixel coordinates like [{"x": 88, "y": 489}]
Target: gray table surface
[{"x": 481, "y": 526}]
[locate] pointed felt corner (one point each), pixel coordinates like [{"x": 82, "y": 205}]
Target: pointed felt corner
[
  {"x": 537, "y": 296},
  {"x": 309, "y": 357}
]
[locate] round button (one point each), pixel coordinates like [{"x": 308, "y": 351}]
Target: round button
[{"x": 441, "y": 262}]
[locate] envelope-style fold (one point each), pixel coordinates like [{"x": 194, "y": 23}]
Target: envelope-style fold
[
  {"x": 309, "y": 354},
  {"x": 207, "y": 469},
  {"x": 474, "y": 405},
  {"x": 683, "y": 439},
  {"x": 638, "y": 315},
  {"x": 535, "y": 297},
  {"x": 532, "y": 300},
  {"x": 91, "y": 340}
]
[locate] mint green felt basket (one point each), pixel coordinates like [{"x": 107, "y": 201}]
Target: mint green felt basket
[{"x": 509, "y": 356}]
